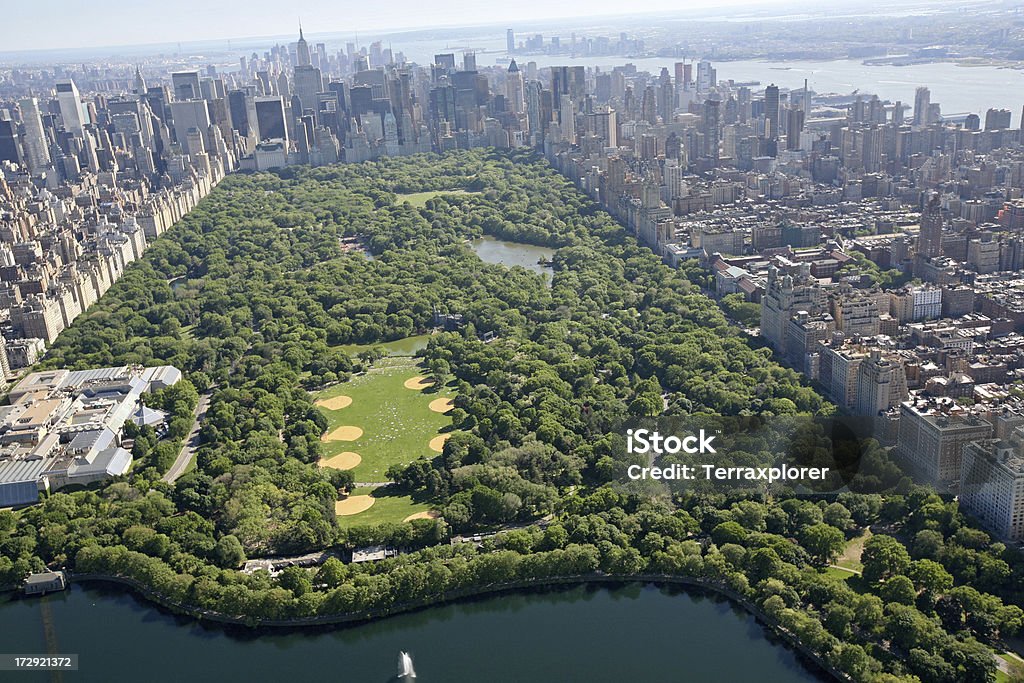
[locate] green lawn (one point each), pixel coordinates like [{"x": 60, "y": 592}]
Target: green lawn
[
  {"x": 1012, "y": 661},
  {"x": 419, "y": 199},
  {"x": 843, "y": 574},
  {"x": 397, "y": 422},
  {"x": 387, "y": 507},
  {"x": 850, "y": 559},
  {"x": 400, "y": 347}
]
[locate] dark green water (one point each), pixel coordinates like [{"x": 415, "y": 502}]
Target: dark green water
[
  {"x": 491, "y": 250},
  {"x": 632, "y": 633}
]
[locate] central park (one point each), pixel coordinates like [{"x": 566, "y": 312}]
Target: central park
[{"x": 373, "y": 381}]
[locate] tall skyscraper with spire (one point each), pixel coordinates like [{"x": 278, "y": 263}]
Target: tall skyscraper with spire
[
  {"x": 302, "y": 51},
  {"x": 308, "y": 79},
  {"x": 140, "y": 82},
  {"x": 514, "y": 88}
]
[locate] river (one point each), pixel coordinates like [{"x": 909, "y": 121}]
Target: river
[
  {"x": 640, "y": 633},
  {"x": 958, "y": 89}
]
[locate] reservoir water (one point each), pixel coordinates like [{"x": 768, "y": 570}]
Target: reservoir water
[{"x": 631, "y": 633}]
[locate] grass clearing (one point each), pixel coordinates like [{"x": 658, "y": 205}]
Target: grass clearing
[
  {"x": 388, "y": 506},
  {"x": 838, "y": 572},
  {"x": 850, "y": 559},
  {"x": 420, "y": 199},
  {"x": 397, "y": 423}
]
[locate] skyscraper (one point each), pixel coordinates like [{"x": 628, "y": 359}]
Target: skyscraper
[
  {"x": 711, "y": 128},
  {"x": 186, "y": 85},
  {"x": 189, "y": 116},
  {"x": 514, "y": 89},
  {"x": 302, "y": 51},
  {"x": 308, "y": 82},
  {"x": 567, "y": 119},
  {"x": 510, "y": 41},
  {"x": 771, "y": 112},
  {"x": 37, "y": 151},
  {"x": 270, "y": 121},
  {"x": 929, "y": 241},
  {"x": 238, "y": 110},
  {"x": 70, "y": 107},
  {"x": 10, "y": 147},
  {"x": 922, "y": 103},
  {"x": 996, "y": 119}
]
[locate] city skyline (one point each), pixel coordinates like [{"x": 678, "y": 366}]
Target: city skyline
[{"x": 81, "y": 26}]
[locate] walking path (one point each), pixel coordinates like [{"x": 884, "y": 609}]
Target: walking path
[{"x": 191, "y": 443}]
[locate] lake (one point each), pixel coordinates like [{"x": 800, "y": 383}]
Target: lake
[
  {"x": 640, "y": 633},
  {"x": 504, "y": 253}
]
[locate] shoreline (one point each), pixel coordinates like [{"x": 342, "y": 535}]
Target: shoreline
[{"x": 256, "y": 626}]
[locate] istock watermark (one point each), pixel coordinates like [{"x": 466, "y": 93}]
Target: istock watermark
[{"x": 714, "y": 453}]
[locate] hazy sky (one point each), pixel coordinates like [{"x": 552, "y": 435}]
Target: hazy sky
[{"x": 47, "y": 24}]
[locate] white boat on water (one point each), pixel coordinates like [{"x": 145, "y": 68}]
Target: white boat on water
[{"x": 405, "y": 669}]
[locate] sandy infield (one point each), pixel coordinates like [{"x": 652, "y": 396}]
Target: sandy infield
[
  {"x": 353, "y": 505},
  {"x": 441, "y": 405},
  {"x": 346, "y": 433},
  {"x": 437, "y": 443},
  {"x": 336, "y": 403},
  {"x": 417, "y": 383},
  {"x": 342, "y": 461},
  {"x": 428, "y": 514}
]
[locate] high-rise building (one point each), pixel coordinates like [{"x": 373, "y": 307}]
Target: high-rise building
[
  {"x": 239, "y": 112},
  {"x": 191, "y": 115},
  {"x": 567, "y": 119},
  {"x": 881, "y": 384},
  {"x": 771, "y": 112},
  {"x": 302, "y": 51},
  {"x": 711, "y": 128},
  {"x": 70, "y": 107},
  {"x": 514, "y": 89},
  {"x": 308, "y": 83},
  {"x": 186, "y": 85},
  {"x": 922, "y": 106},
  {"x": 270, "y": 120},
  {"x": 37, "y": 151},
  {"x": 784, "y": 296},
  {"x": 794, "y": 127},
  {"x": 603, "y": 125},
  {"x": 992, "y": 484},
  {"x": 10, "y": 144},
  {"x": 929, "y": 240},
  {"x": 510, "y": 41},
  {"x": 997, "y": 119},
  {"x": 932, "y": 438}
]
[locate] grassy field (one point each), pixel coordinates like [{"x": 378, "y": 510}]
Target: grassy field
[
  {"x": 396, "y": 422},
  {"x": 850, "y": 559},
  {"x": 400, "y": 347},
  {"x": 387, "y": 507},
  {"x": 419, "y": 199}
]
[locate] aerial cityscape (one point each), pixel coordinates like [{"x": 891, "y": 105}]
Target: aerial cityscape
[{"x": 547, "y": 344}]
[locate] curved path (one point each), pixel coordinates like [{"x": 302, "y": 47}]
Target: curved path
[{"x": 191, "y": 442}]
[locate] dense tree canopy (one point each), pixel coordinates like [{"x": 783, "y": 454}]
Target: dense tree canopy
[{"x": 267, "y": 287}]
